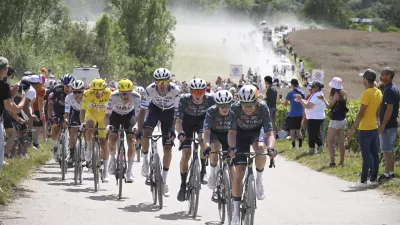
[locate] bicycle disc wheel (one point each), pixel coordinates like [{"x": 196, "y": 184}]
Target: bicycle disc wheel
[
  {"x": 227, "y": 190},
  {"x": 63, "y": 163},
  {"x": 221, "y": 196},
  {"x": 158, "y": 180},
  {"x": 250, "y": 201},
  {"x": 196, "y": 188},
  {"x": 120, "y": 169},
  {"x": 95, "y": 167}
]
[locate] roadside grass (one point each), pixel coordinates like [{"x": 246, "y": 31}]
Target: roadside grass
[
  {"x": 19, "y": 169},
  {"x": 349, "y": 172}
]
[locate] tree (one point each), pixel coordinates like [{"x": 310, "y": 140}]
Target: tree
[{"x": 333, "y": 12}]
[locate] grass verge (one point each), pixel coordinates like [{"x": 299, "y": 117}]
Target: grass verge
[
  {"x": 348, "y": 172},
  {"x": 19, "y": 169}
]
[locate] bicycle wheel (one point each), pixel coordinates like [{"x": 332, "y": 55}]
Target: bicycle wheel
[
  {"x": 221, "y": 196},
  {"x": 76, "y": 162},
  {"x": 95, "y": 166},
  {"x": 138, "y": 151},
  {"x": 153, "y": 183},
  {"x": 120, "y": 162},
  {"x": 195, "y": 189},
  {"x": 63, "y": 160},
  {"x": 158, "y": 180},
  {"x": 227, "y": 190},
  {"x": 81, "y": 157},
  {"x": 250, "y": 201}
]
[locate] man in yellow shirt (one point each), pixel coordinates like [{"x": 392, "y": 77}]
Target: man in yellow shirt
[
  {"x": 93, "y": 111},
  {"x": 368, "y": 137}
]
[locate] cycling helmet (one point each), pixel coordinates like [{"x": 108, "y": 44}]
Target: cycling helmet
[
  {"x": 161, "y": 74},
  {"x": 140, "y": 90},
  {"x": 248, "y": 93},
  {"x": 67, "y": 79},
  {"x": 197, "y": 84},
  {"x": 98, "y": 84},
  {"x": 223, "y": 97},
  {"x": 125, "y": 85},
  {"x": 78, "y": 84}
]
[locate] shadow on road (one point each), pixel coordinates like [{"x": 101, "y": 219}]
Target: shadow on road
[
  {"x": 47, "y": 172},
  {"x": 61, "y": 184},
  {"x": 213, "y": 223},
  {"x": 177, "y": 216},
  {"x": 104, "y": 198},
  {"x": 141, "y": 207},
  {"x": 301, "y": 156},
  {"x": 48, "y": 179},
  {"x": 79, "y": 190},
  {"x": 322, "y": 168},
  {"x": 354, "y": 190}
]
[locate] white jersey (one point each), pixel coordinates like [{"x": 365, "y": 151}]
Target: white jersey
[
  {"x": 70, "y": 102},
  {"x": 115, "y": 104},
  {"x": 167, "y": 101}
]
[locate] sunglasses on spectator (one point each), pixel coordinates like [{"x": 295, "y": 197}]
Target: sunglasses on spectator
[
  {"x": 248, "y": 104},
  {"x": 77, "y": 92},
  {"x": 198, "y": 92},
  {"x": 161, "y": 82}
]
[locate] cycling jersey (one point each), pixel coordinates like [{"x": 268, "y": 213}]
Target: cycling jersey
[
  {"x": 245, "y": 122},
  {"x": 168, "y": 101},
  {"x": 116, "y": 105},
  {"x": 57, "y": 97},
  {"x": 215, "y": 121},
  {"x": 93, "y": 104},
  {"x": 71, "y": 103},
  {"x": 187, "y": 107}
]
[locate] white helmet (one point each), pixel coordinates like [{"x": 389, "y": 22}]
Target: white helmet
[
  {"x": 78, "y": 84},
  {"x": 223, "y": 97},
  {"x": 248, "y": 93},
  {"x": 161, "y": 74},
  {"x": 140, "y": 90},
  {"x": 197, "y": 84},
  {"x": 232, "y": 89}
]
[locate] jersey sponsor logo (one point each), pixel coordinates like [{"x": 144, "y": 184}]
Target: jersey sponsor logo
[{"x": 98, "y": 106}]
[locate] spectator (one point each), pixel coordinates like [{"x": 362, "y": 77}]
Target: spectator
[
  {"x": 315, "y": 114},
  {"x": 270, "y": 98},
  {"x": 295, "y": 115},
  {"x": 295, "y": 56},
  {"x": 337, "y": 125},
  {"x": 38, "y": 108},
  {"x": 389, "y": 111},
  {"x": 368, "y": 129},
  {"x": 301, "y": 68},
  {"x": 6, "y": 103},
  {"x": 305, "y": 121}
]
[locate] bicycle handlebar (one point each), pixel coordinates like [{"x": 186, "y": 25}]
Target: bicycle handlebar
[{"x": 252, "y": 155}]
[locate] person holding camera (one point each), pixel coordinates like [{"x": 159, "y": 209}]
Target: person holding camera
[{"x": 6, "y": 102}]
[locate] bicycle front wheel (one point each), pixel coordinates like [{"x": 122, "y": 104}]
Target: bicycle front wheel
[
  {"x": 120, "y": 168},
  {"x": 158, "y": 180},
  {"x": 221, "y": 196},
  {"x": 227, "y": 193},
  {"x": 250, "y": 201},
  {"x": 194, "y": 188},
  {"x": 77, "y": 160},
  {"x": 63, "y": 156},
  {"x": 138, "y": 151},
  {"x": 95, "y": 165}
]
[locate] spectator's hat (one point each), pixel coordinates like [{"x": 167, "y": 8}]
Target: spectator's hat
[
  {"x": 51, "y": 76},
  {"x": 35, "y": 79},
  {"x": 336, "y": 83},
  {"x": 309, "y": 86},
  {"x": 317, "y": 84},
  {"x": 369, "y": 74},
  {"x": 43, "y": 69},
  {"x": 28, "y": 73},
  {"x": 3, "y": 63}
]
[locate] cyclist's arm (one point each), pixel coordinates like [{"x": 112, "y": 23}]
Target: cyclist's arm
[
  {"x": 179, "y": 115},
  {"x": 232, "y": 127},
  {"x": 107, "y": 119},
  {"x": 267, "y": 126},
  {"x": 85, "y": 100},
  {"x": 26, "y": 108},
  {"x": 232, "y": 138},
  {"x": 206, "y": 127},
  {"x": 67, "y": 109},
  {"x": 82, "y": 115},
  {"x": 140, "y": 120},
  {"x": 178, "y": 125}
]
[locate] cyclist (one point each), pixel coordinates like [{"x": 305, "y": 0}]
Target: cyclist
[
  {"x": 93, "y": 109},
  {"x": 140, "y": 90},
  {"x": 161, "y": 100},
  {"x": 216, "y": 126},
  {"x": 71, "y": 115},
  {"x": 249, "y": 115},
  {"x": 56, "y": 109},
  {"x": 122, "y": 108},
  {"x": 190, "y": 118}
]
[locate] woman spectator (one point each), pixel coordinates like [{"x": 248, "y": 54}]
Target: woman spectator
[
  {"x": 337, "y": 125},
  {"x": 315, "y": 114}
]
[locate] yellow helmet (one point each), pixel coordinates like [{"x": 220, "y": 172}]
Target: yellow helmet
[
  {"x": 98, "y": 84},
  {"x": 125, "y": 85}
]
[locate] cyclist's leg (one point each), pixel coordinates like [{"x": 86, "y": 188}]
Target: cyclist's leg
[
  {"x": 130, "y": 139},
  {"x": 103, "y": 144},
  {"x": 166, "y": 126},
  {"x": 260, "y": 161},
  {"x": 38, "y": 127},
  {"x": 113, "y": 137},
  {"x": 203, "y": 172},
  {"x": 188, "y": 126},
  {"x": 73, "y": 133},
  {"x": 90, "y": 124},
  {"x": 55, "y": 135},
  {"x": 215, "y": 147},
  {"x": 150, "y": 122}
]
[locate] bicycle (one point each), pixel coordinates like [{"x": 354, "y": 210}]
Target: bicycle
[
  {"x": 96, "y": 163},
  {"x": 155, "y": 179},
  {"x": 194, "y": 184},
  {"x": 138, "y": 151},
  {"x": 63, "y": 145},
  {"x": 78, "y": 157},
  {"x": 121, "y": 160},
  {"x": 223, "y": 192},
  {"x": 248, "y": 203}
]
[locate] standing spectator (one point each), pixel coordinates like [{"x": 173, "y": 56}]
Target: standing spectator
[
  {"x": 337, "y": 125},
  {"x": 389, "y": 112},
  {"x": 295, "y": 115},
  {"x": 270, "y": 98},
  {"x": 290, "y": 50},
  {"x": 315, "y": 114},
  {"x": 301, "y": 69},
  {"x": 38, "y": 108},
  {"x": 295, "y": 56},
  {"x": 368, "y": 129},
  {"x": 6, "y": 103}
]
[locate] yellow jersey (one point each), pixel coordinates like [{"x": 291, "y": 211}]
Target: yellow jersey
[{"x": 93, "y": 104}]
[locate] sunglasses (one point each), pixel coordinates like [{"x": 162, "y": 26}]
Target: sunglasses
[
  {"x": 224, "y": 106},
  {"x": 198, "y": 92},
  {"x": 248, "y": 104},
  {"x": 98, "y": 91},
  {"x": 161, "y": 82},
  {"x": 126, "y": 93},
  {"x": 77, "y": 92}
]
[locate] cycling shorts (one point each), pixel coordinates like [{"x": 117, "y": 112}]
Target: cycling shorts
[
  {"x": 191, "y": 124},
  {"x": 127, "y": 121},
  {"x": 98, "y": 118},
  {"x": 74, "y": 119},
  {"x": 221, "y": 137},
  {"x": 244, "y": 139},
  {"x": 166, "y": 117}
]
